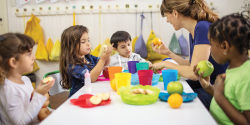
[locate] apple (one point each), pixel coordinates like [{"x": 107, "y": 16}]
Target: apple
[
  {"x": 206, "y": 67},
  {"x": 105, "y": 73},
  {"x": 175, "y": 87},
  {"x": 105, "y": 48},
  {"x": 95, "y": 100},
  {"x": 47, "y": 79},
  {"x": 104, "y": 96}
]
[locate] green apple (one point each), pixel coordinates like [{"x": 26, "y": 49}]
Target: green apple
[
  {"x": 175, "y": 87},
  {"x": 206, "y": 67}
]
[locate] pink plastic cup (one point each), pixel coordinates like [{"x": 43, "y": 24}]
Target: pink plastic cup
[{"x": 145, "y": 77}]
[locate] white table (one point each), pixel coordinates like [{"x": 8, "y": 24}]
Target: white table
[{"x": 119, "y": 113}]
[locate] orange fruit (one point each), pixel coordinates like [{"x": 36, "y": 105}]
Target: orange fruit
[
  {"x": 157, "y": 41},
  {"x": 175, "y": 100},
  {"x": 113, "y": 85}
]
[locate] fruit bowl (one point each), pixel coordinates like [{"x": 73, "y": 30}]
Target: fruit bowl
[{"x": 139, "y": 99}]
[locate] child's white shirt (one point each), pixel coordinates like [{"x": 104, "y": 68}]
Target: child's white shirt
[
  {"x": 15, "y": 104},
  {"x": 124, "y": 61}
]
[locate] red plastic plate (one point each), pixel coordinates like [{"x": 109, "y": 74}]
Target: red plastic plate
[
  {"x": 83, "y": 101},
  {"x": 102, "y": 78}
]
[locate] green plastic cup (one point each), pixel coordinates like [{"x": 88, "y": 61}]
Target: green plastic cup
[{"x": 142, "y": 66}]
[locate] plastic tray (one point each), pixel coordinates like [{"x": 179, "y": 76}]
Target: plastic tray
[{"x": 187, "y": 97}]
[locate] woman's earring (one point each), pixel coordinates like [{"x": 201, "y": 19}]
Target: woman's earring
[{"x": 225, "y": 53}]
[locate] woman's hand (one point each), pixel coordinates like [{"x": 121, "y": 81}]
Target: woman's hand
[
  {"x": 159, "y": 65},
  {"x": 204, "y": 81},
  {"x": 162, "y": 49},
  {"x": 106, "y": 54}
]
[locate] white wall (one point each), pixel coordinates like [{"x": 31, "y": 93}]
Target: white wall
[{"x": 110, "y": 23}]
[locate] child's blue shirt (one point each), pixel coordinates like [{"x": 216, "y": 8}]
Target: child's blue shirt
[{"x": 76, "y": 73}]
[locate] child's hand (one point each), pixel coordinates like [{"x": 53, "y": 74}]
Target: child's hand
[
  {"x": 105, "y": 67},
  {"x": 159, "y": 65},
  {"x": 150, "y": 64},
  {"x": 162, "y": 49},
  {"x": 106, "y": 54},
  {"x": 154, "y": 70},
  {"x": 204, "y": 81},
  {"x": 219, "y": 84},
  {"x": 43, "y": 89}
]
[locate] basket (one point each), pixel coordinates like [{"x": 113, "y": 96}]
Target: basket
[
  {"x": 135, "y": 79},
  {"x": 139, "y": 99}
]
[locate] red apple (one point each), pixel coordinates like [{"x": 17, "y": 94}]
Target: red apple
[
  {"x": 95, "y": 100},
  {"x": 104, "y": 96},
  {"x": 106, "y": 73}
]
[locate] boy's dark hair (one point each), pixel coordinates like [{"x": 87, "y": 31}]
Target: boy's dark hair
[
  {"x": 119, "y": 36},
  {"x": 234, "y": 28},
  {"x": 12, "y": 45}
]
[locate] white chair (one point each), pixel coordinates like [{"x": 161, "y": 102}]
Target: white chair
[{"x": 57, "y": 88}]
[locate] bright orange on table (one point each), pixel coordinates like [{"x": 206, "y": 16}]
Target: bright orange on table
[
  {"x": 113, "y": 85},
  {"x": 175, "y": 100},
  {"x": 157, "y": 41}
]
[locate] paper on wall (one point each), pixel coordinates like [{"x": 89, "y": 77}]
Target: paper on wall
[
  {"x": 39, "y": 1},
  {"x": 53, "y": 1},
  {"x": 22, "y": 2}
]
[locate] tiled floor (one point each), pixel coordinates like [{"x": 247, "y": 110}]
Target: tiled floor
[{"x": 58, "y": 99}]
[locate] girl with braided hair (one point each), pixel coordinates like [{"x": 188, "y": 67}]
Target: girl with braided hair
[
  {"x": 230, "y": 39},
  {"x": 195, "y": 17}
]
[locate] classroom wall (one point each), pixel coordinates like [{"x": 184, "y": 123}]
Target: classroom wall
[{"x": 53, "y": 25}]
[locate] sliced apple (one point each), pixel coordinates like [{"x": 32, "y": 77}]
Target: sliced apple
[
  {"x": 95, "y": 100},
  {"x": 48, "y": 79},
  {"x": 104, "y": 96},
  {"x": 105, "y": 48}
]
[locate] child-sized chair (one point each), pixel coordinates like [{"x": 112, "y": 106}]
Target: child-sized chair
[{"x": 57, "y": 87}]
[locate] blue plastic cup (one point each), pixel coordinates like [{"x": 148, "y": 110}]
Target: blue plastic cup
[
  {"x": 132, "y": 66},
  {"x": 169, "y": 75}
]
